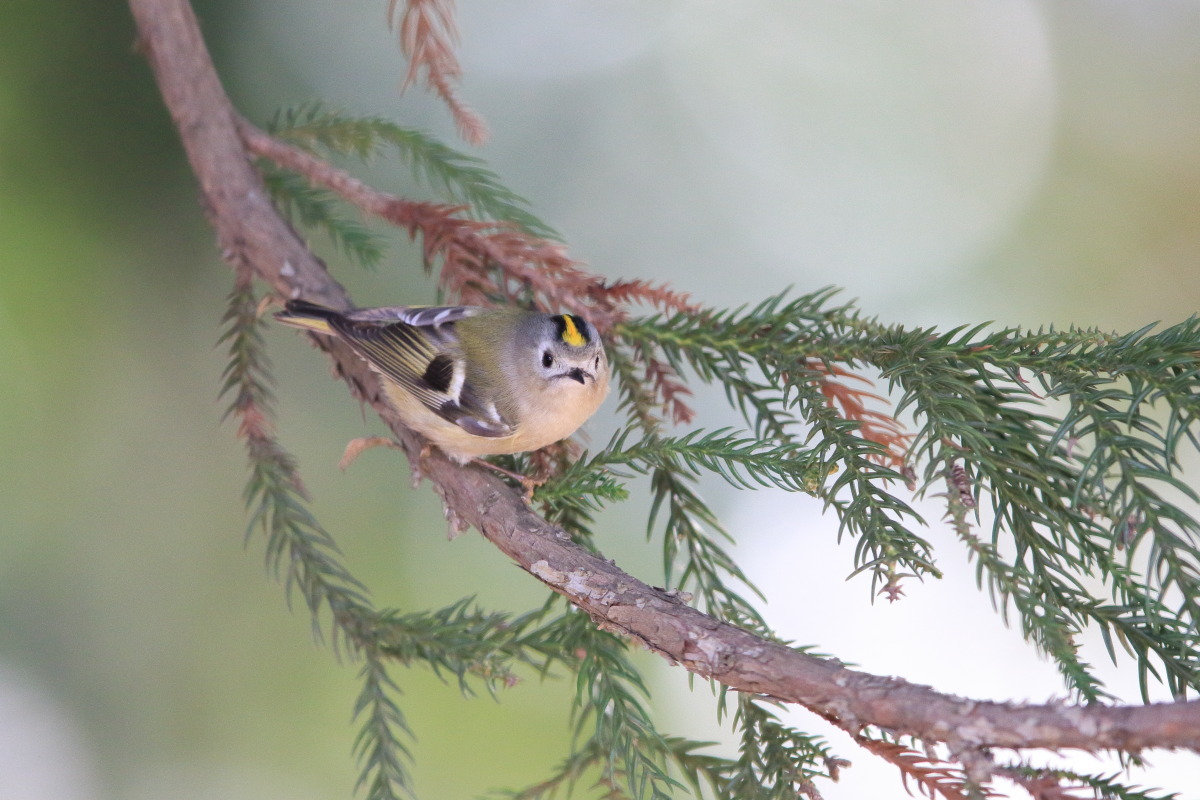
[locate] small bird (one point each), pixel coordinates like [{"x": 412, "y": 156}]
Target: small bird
[{"x": 474, "y": 381}]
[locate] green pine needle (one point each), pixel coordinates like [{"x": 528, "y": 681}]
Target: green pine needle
[
  {"x": 461, "y": 178},
  {"x": 1103, "y": 787},
  {"x": 317, "y": 208}
]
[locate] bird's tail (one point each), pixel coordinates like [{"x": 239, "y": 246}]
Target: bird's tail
[{"x": 306, "y": 315}]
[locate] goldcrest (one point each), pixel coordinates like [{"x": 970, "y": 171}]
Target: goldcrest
[{"x": 474, "y": 381}]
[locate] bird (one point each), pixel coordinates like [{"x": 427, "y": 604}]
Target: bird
[{"x": 474, "y": 381}]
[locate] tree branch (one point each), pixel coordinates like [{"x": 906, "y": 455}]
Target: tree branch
[{"x": 252, "y": 236}]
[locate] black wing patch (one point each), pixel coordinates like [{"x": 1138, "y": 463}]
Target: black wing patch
[
  {"x": 407, "y": 354},
  {"x": 440, "y": 373}
]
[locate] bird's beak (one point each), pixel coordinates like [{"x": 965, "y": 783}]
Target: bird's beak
[{"x": 578, "y": 374}]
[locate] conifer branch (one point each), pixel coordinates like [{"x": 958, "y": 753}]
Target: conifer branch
[
  {"x": 775, "y": 338},
  {"x": 1061, "y": 784},
  {"x": 303, "y": 555},
  {"x": 314, "y": 208},
  {"x": 462, "y": 178},
  {"x": 429, "y": 37},
  {"x": 933, "y": 777},
  {"x": 776, "y": 762}
]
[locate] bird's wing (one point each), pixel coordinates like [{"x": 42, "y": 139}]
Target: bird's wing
[{"x": 418, "y": 348}]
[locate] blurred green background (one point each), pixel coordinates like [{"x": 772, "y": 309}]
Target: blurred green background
[{"x": 1025, "y": 162}]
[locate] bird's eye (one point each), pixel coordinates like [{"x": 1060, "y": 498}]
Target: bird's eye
[{"x": 547, "y": 360}]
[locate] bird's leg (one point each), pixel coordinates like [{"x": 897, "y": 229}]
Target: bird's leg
[{"x": 529, "y": 484}]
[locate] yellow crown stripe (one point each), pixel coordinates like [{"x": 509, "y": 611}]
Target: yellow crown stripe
[{"x": 570, "y": 333}]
